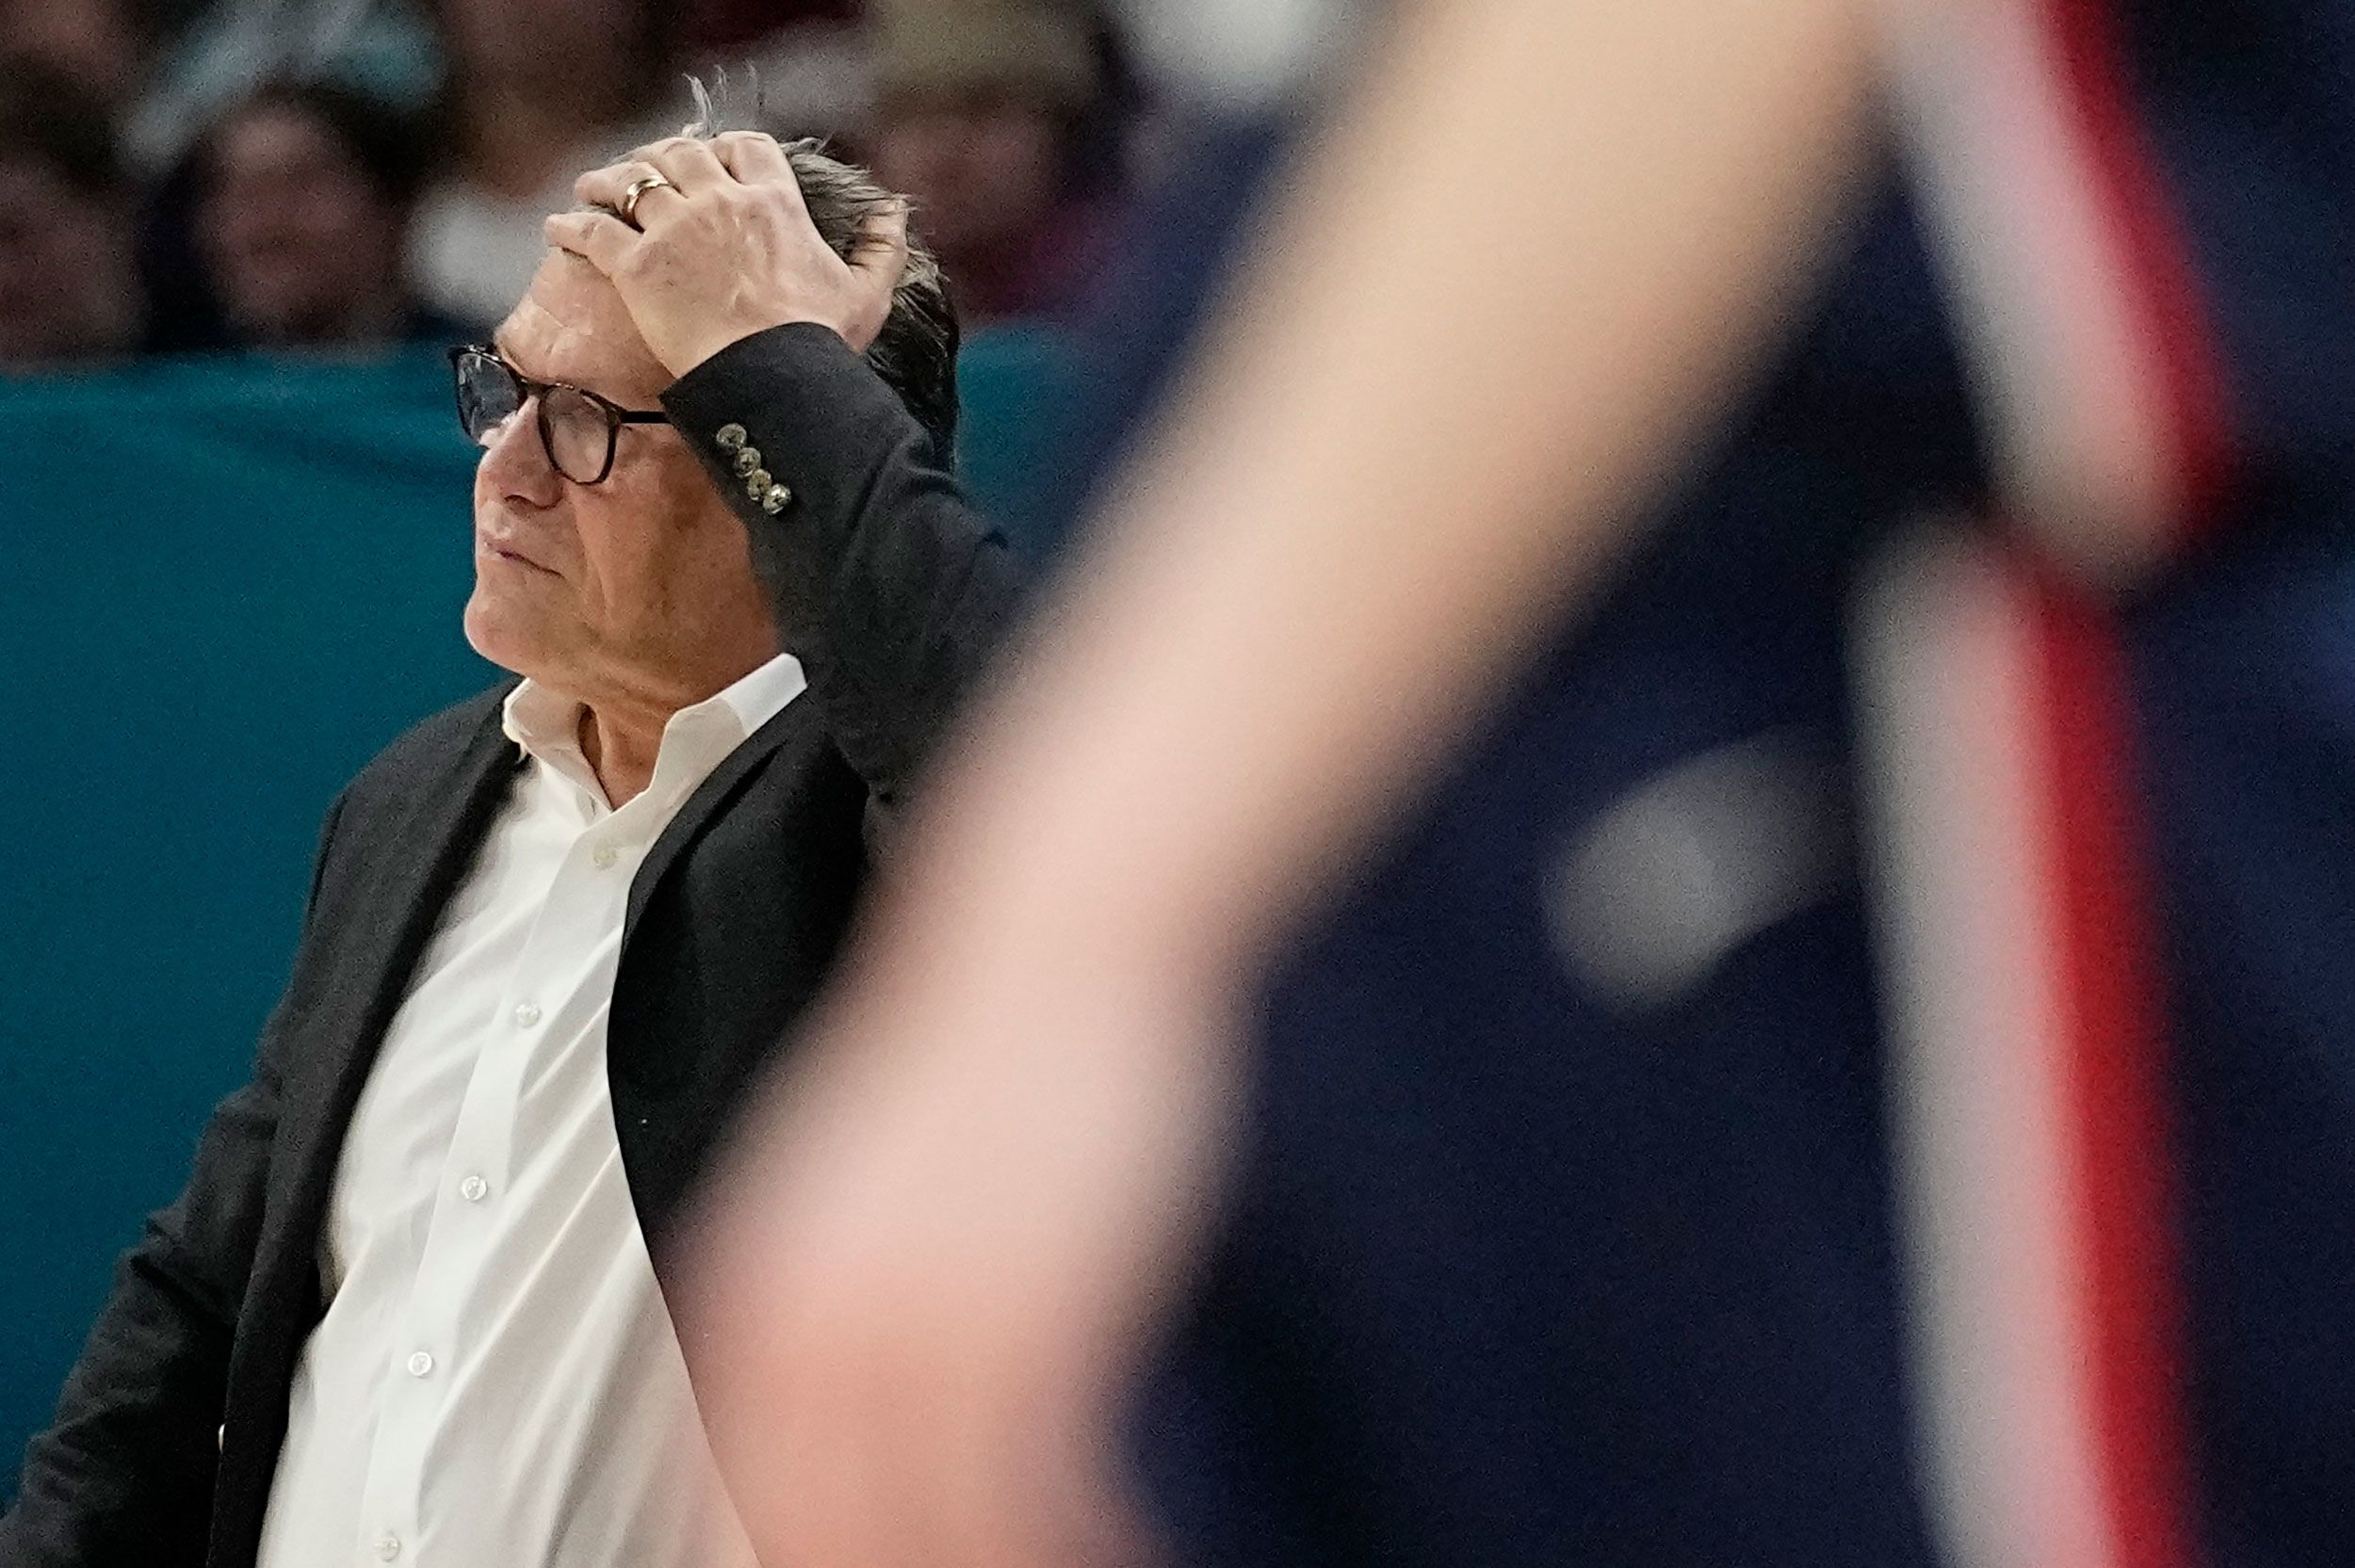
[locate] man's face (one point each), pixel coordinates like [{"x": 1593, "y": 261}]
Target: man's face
[
  {"x": 298, "y": 237},
  {"x": 636, "y": 590}
]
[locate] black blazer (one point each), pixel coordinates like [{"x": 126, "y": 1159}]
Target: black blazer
[{"x": 891, "y": 593}]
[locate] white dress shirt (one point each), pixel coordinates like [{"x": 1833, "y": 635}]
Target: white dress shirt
[{"x": 497, "y": 1383}]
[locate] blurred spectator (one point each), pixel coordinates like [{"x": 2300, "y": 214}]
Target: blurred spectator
[
  {"x": 105, "y": 47},
  {"x": 1243, "y": 57},
  {"x": 385, "y": 48},
  {"x": 715, "y": 25},
  {"x": 813, "y": 78},
  {"x": 1006, "y": 121},
  {"x": 68, "y": 283},
  {"x": 809, "y": 56},
  {"x": 305, "y": 195},
  {"x": 537, "y": 91}
]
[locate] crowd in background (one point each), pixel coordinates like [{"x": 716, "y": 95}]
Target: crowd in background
[{"x": 342, "y": 175}]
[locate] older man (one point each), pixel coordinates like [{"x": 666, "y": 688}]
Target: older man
[{"x": 408, "y": 1308}]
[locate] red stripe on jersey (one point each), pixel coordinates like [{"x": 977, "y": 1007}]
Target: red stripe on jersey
[
  {"x": 2156, "y": 266},
  {"x": 2028, "y": 1063},
  {"x": 2114, "y": 1056}
]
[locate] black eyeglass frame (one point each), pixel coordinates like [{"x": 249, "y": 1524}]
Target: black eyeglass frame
[{"x": 536, "y": 391}]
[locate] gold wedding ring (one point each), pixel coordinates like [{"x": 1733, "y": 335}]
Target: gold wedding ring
[{"x": 627, "y": 211}]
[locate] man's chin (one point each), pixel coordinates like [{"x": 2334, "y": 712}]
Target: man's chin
[{"x": 496, "y": 632}]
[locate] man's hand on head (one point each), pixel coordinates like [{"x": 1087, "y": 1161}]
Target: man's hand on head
[{"x": 726, "y": 249}]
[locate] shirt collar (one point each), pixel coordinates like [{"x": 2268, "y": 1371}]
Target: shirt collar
[
  {"x": 545, "y": 724},
  {"x": 762, "y": 694}
]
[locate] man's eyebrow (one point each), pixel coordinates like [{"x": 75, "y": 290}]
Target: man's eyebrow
[
  {"x": 528, "y": 374},
  {"x": 516, "y": 363}
]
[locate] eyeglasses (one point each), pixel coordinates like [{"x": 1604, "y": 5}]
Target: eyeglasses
[{"x": 578, "y": 429}]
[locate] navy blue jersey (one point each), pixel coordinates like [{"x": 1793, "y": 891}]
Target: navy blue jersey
[{"x": 1858, "y": 1065}]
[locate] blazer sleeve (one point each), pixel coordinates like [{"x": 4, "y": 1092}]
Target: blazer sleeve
[
  {"x": 887, "y": 586},
  {"x": 124, "y": 1474}
]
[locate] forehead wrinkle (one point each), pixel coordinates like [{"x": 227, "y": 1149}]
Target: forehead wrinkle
[
  {"x": 570, "y": 326},
  {"x": 539, "y": 353}
]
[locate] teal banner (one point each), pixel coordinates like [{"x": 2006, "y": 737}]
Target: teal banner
[{"x": 223, "y": 587}]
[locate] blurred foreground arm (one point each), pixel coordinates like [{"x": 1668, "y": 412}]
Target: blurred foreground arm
[{"x": 1548, "y": 242}]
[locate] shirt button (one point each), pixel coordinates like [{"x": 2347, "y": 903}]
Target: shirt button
[
  {"x": 420, "y": 1364},
  {"x": 388, "y": 1546},
  {"x": 526, "y": 1013},
  {"x": 474, "y": 1190},
  {"x": 604, "y": 855}
]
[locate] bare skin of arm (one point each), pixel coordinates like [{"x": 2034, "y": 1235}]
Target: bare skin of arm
[{"x": 1545, "y": 246}]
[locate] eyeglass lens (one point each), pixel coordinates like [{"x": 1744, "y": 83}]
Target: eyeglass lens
[{"x": 573, "y": 428}]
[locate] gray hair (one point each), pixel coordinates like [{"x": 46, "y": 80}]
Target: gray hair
[{"x": 915, "y": 352}]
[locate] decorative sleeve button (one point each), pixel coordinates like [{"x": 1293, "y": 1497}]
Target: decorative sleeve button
[
  {"x": 747, "y": 459},
  {"x": 731, "y": 439},
  {"x": 775, "y": 499}
]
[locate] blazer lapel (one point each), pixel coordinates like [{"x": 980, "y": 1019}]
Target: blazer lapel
[
  {"x": 410, "y": 867},
  {"x": 705, "y": 804},
  {"x": 405, "y": 864}
]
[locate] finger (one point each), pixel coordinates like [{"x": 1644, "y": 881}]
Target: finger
[
  {"x": 598, "y": 237},
  {"x": 754, "y": 158},
  {"x": 881, "y": 251},
  {"x": 686, "y": 162},
  {"x": 609, "y": 187}
]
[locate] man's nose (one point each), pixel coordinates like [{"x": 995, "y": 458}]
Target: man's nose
[{"x": 516, "y": 462}]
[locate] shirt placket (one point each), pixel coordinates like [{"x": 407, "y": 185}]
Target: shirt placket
[{"x": 542, "y": 999}]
